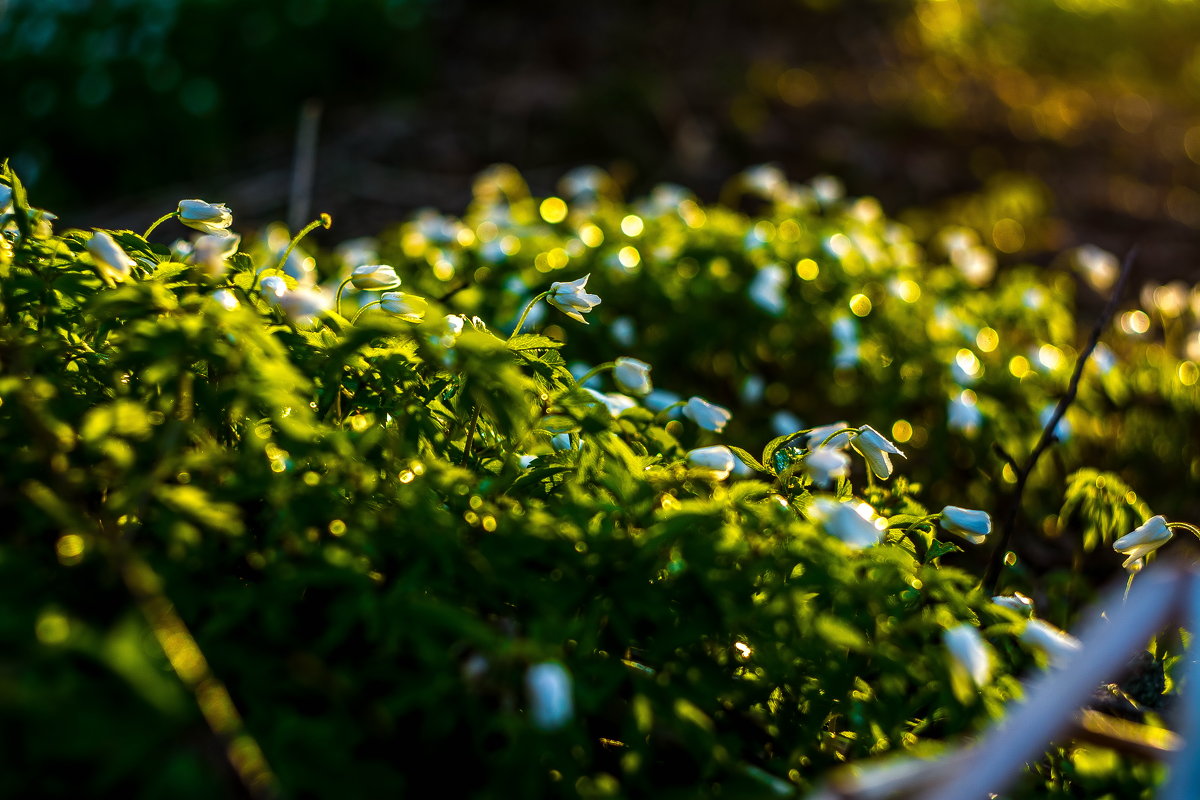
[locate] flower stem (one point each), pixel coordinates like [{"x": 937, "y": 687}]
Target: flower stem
[
  {"x": 663, "y": 414},
  {"x": 324, "y": 221},
  {"x": 836, "y": 434},
  {"x": 1185, "y": 526},
  {"x": 596, "y": 370},
  {"x": 337, "y": 301},
  {"x": 525, "y": 313},
  {"x": 158, "y": 222},
  {"x": 364, "y": 308}
]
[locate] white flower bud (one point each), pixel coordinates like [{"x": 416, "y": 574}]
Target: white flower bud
[
  {"x": 969, "y": 652},
  {"x": 826, "y": 463},
  {"x": 718, "y": 458},
  {"x": 853, "y": 524},
  {"x": 974, "y": 526},
  {"x": 707, "y": 415},
  {"x": 875, "y": 449},
  {"x": 408, "y": 307},
  {"x": 1143, "y": 540},
  {"x": 113, "y": 261},
  {"x": 207, "y": 217},
  {"x": 212, "y": 250},
  {"x": 632, "y": 376},
  {"x": 374, "y": 276}
]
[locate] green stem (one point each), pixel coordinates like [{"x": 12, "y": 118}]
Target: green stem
[
  {"x": 662, "y": 415},
  {"x": 1185, "y": 526},
  {"x": 158, "y": 222},
  {"x": 525, "y": 313},
  {"x": 324, "y": 221},
  {"x": 836, "y": 434},
  {"x": 470, "y": 435},
  {"x": 337, "y": 301},
  {"x": 596, "y": 370},
  {"x": 364, "y": 308}
]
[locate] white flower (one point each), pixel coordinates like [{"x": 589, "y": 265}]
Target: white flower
[
  {"x": 972, "y": 525},
  {"x": 408, "y": 307},
  {"x": 548, "y": 686},
  {"x": 873, "y": 447},
  {"x": 273, "y": 288},
  {"x": 207, "y": 217},
  {"x": 632, "y": 376},
  {"x": 211, "y": 251},
  {"x": 303, "y": 305},
  {"x": 570, "y": 298},
  {"x": 374, "y": 276},
  {"x": 767, "y": 289},
  {"x": 853, "y": 524},
  {"x": 113, "y": 262},
  {"x": 1015, "y": 602},
  {"x": 615, "y": 403},
  {"x": 226, "y": 299},
  {"x": 1143, "y": 540},
  {"x": 717, "y": 458},
  {"x": 817, "y": 436},
  {"x": 826, "y": 463},
  {"x": 707, "y": 415},
  {"x": 1057, "y": 644},
  {"x": 969, "y": 653}
]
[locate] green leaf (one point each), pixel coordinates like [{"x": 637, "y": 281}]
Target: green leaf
[
  {"x": 748, "y": 459},
  {"x": 531, "y": 341}
]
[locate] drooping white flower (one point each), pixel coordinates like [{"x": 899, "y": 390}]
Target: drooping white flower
[
  {"x": 1015, "y": 602},
  {"x": 571, "y": 298},
  {"x": 112, "y": 260},
  {"x": 370, "y": 277},
  {"x": 767, "y": 289},
  {"x": 876, "y": 449},
  {"x": 707, "y": 415},
  {"x": 613, "y": 402},
  {"x": 408, "y": 307},
  {"x": 207, "y": 217},
  {"x": 969, "y": 652},
  {"x": 853, "y": 524},
  {"x": 632, "y": 376},
  {"x": 817, "y": 436},
  {"x": 1143, "y": 540},
  {"x": 226, "y": 299},
  {"x": 1057, "y": 644},
  {"x": 273, "y": 288},
  {"x": 212, "y": 251},
  {"x": 549, "y": 689},
  {"x": 972, "y": 525},
  {"x": 718, "y": 458},
  {"x": 826, "y": 463},
  {"x": 303, "y": 305}
]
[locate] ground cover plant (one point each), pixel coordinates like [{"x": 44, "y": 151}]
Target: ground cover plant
[{"x": 582, "y": 497}]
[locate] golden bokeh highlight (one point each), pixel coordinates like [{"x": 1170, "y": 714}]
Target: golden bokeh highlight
[
  {"x": 553, "y": 210},
  {"x": 807, "y": 269},
  {"x": 860, "y": 305},
  {"x": 902, "y": 431}
]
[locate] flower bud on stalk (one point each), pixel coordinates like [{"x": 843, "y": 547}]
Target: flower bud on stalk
[
  {"x": 571, "y": 298},
  {"x": 718, "y": 459},
  {"x": 114, "y": 263},
  {"x": 207, "y": 217},
  {"x": 875, "y": 449},
  {"x": 370, "y": 277},
  {"x": 707, "y": 415},
  {"x": 632, "y": 376},
  {"x": 974, "y": 526}
]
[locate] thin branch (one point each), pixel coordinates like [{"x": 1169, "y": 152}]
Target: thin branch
[
  {"x": 992, "y": 577},
  {"x": 304, "y": 163}
]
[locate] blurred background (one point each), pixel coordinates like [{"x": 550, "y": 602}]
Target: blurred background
[{"x": 1041, "y": 124}]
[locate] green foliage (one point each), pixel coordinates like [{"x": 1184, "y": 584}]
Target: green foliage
[{"x": 370, "y": 533}]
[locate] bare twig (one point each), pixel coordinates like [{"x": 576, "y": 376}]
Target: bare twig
[
  {"x": 992, "y": 576},
  {"x": 304, "y": 165}
]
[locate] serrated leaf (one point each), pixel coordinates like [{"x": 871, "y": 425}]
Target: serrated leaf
[
  {"x": 531, "y": 341},
  {"x": 748, "y": 459}
]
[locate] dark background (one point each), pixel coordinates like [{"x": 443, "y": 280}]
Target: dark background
[{"x": 1074, "y": 122}]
